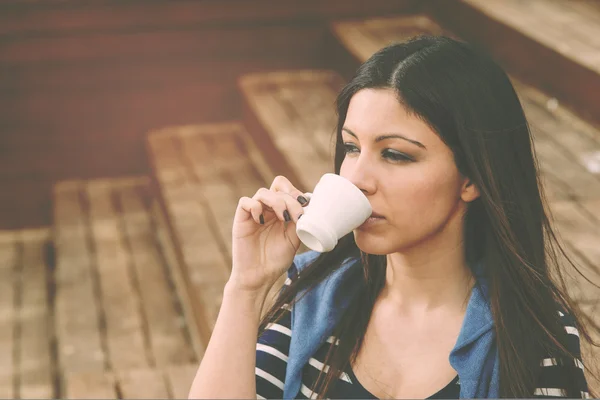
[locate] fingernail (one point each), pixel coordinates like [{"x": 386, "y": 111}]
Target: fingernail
[
  {"x": 286, "y": 215},
  {"x": 302, "y": 200},
  {"x": 262, "y": 219}
]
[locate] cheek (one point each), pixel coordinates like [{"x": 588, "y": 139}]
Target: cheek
[{"x": 426, "y": 198}]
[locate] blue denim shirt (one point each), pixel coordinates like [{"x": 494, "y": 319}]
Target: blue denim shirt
[{"x": 314, "y": 317}]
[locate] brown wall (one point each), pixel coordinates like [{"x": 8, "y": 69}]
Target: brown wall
[{"x": 82, "y": 81}]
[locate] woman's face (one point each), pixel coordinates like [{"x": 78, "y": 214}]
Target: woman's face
[{"x": 410, "y": 179}]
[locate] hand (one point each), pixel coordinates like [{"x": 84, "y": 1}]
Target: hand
[{"x": 264, "y": 242}]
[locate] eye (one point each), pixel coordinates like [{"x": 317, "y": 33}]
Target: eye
[
  {"x": 348, "y": 148},
  {"x": 392, "y": 155},
  {"x": 396, "y": 156}
]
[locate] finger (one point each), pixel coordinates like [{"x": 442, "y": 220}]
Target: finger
[
  {"x": 248, "y": 208},
  {"x": 283, "y": 184},
  {"x": 272, "y": 200},
  {"x": 293, "y": 206},
  {"x": 284, "y": 206}
]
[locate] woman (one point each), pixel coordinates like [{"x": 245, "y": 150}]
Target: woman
[{"x": 448, "y": 294}]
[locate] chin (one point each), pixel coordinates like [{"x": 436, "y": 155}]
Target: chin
[{"x": 372, "y": 244}]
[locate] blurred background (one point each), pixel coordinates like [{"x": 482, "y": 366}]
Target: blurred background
[{"x": 129, "y": 129}]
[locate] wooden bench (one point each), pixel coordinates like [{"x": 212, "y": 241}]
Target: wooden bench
[
  {"x": 200, "y": 172},
  {"x": 28, "y": 368},
  {"x": 117, "y": 315},
  {"x": 551, "y": 43},
  {"x": 567, "y": 148},
  {"x": 291, "y": 115},
  {"x": 362, "y": 38},
  {"x": 570, "y": 28}
]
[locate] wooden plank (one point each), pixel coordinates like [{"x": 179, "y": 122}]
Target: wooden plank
[
  {"x": 126, "y": 340},
  {"x": 569, "y": 78},
  {"x": 214, "y": 164},
  {"x": 200, "y": 259},
  {"x": 143, "y": 384},
  {"x": 77, "y": 311},
  {"x": 363, "y": 38},
  {"x": 10, "y": 261},
  {"x": 181, "y": 284},
  {"x": 165, "y": 323},
  {"x": 90, "y": 385},
  {"x": 211, "y": 173},
  {"x": 531, "y": 19},
  {"x": 70, "y": 17},
  {"x": 243, "y": 41},
  {"x": 81, "y": 18},
  {"x": 179, "y": 378},
  {"x": 295, "y": 110},
  {"x": 552, "y": 112},
  {"x": 553, "y": 160},
  {"x": 36, "y": 365}
]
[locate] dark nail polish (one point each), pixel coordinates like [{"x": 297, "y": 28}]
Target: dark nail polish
[
  {"x": 286, "y": 215},
  {"x": 302, "y": 200},
  {"x": 262, "y": 219}
]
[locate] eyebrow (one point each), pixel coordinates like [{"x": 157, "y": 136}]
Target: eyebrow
[{"x": 389, "y": 136}]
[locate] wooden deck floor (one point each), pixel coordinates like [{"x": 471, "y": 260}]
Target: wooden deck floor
[
  {"x": 569, "y": 27},
  {"x": 100, "y": 318}
]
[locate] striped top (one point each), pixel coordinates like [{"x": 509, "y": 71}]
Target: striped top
[{"x": 272, "y": 354}]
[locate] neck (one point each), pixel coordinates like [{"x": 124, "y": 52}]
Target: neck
[{"x": 431, "y": 276}]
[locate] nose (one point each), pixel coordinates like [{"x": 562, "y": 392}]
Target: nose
[{"x": 362, "y": 175}]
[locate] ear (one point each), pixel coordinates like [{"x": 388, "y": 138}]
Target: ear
[{"x": 469, "y": 191}]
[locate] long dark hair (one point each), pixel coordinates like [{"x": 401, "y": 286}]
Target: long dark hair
[{"x": 469, "y": 101}]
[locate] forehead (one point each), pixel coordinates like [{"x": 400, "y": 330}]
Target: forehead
[{"x": 373, "y": 112}]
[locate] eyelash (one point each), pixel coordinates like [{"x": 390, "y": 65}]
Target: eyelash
[{"x": 394, "y": 156}]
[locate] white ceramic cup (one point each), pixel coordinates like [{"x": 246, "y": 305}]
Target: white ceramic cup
[{"x": 336, "y": 208}]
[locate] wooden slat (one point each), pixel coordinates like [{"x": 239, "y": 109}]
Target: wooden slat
[
  {"x": 36, "y": 365},
  {"x": 579, "y": 223},
  {"x": 166, "y": 325},
  {"x": 295, "y": 110},
  {"x": 10, "y": 259},
  {"x": 77, "y": 307},
  {"x": 90, "y": 385},
  {"x": 143, "y": 384},
  {"x": 167, "y": 248},
  {"x": 203, "y": 264},
  {"x": 363, "y": 38},
  {"x": 209, "y": 162},
  {"x": 245, "y": 41},
  {"x": 549, "y": 51},
  {"x": 124, "y": 325},
  {"x": 550, "y": 23},
  {"x": 201, "y": 173},
  {"x": 27, "y": 17}
]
